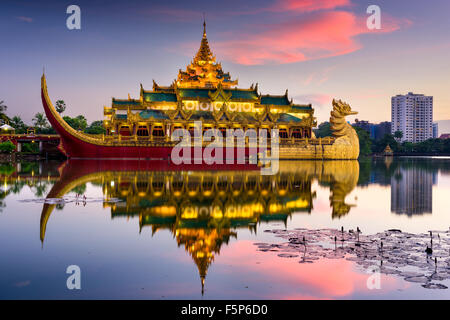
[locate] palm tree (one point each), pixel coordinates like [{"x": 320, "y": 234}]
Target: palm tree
[
  {"x": 398, "y": 135},
  {"x": 3, "y": 108},
  {"x": 40, "y": 121},
  {"x": 60, "y": 106},
  {"x": 17, "y": 123}
]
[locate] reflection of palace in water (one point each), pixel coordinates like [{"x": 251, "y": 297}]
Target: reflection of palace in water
[{"x": 204, "y": 209}]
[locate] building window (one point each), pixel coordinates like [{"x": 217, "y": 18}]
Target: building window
[
  {"x": 142, "y": 131},
  {"x": 125, "y": 131},
  {"x": 296, "y": 133},
  {"x": 158, "y": 131},
  {"x": 283, "y": 134},
  {"x": 223, "y": 131}
]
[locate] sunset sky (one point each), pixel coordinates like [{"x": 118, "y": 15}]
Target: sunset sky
[{"x": 317, "y": 49}]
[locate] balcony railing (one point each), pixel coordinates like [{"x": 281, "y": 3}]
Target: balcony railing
[{"x": 165, "y": 141}]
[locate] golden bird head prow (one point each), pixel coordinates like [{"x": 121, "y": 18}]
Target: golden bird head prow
[
  {"x": 343, "y": 108},
  {"x": 339, "y": 125}
]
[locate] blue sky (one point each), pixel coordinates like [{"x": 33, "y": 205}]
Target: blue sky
[{"x": 318, "y": 50}]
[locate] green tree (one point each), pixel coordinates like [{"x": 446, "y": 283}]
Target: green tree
[
  {"x": 7, "y": 147},
  {"x": 407, "y": 147},
  {"x": 40, "y": 121},
  {"x": 30, "y": 147},
  {"x": 398, "y": 135},
  {"x": 60, "y": 106},
  {"x": 388, "y": 139},
  {"x": 3, "y": 109},
  {"x": 78, "y": 123},
  {"x": 324, "y": 130},
  {"x": 365, "y": 143},
  {"x": 96, "y": 127},
  {"x": 17, "y": 123},
  {"x": 81, "y": 189}
]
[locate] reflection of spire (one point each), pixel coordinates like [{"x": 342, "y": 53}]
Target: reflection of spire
[
  {"x": 203, "y": 285},
  {"x": 202, "y": 245}
]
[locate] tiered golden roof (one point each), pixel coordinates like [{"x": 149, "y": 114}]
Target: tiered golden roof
[{"x": 203, "y": 71}]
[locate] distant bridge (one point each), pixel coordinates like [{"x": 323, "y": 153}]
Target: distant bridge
[{"x": 47, "y": 142}]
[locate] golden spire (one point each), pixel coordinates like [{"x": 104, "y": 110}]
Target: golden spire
[
  {"x": 204, "y": 26},
  {"x": 204, "y": 52},
  {"x": 203, "y": 71}
]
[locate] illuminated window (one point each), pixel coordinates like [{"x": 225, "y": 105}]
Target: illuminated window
[
  {"x": 296, "y": 133},
  {"x": 158, "y": 131},
  {"x": 283, "y": 134},
  {"x": 223, "y": 131},
  {"x": 125, "y": 131},
  {"x": 142, "y": 131}
]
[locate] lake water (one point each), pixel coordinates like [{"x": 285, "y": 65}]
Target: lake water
[{"x": 141, "y": 230}]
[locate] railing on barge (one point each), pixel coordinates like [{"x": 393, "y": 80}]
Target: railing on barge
[{"x": 165, "y": 141}]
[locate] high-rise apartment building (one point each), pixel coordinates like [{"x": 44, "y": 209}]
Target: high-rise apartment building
[
  {"x": 435, "y": 130},
  {"x": 412, "y": 114}
]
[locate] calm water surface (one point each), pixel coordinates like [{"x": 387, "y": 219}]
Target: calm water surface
[{"x": 150, "y": 232}]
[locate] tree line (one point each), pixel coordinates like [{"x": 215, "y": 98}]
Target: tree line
[
  {"x": 41, "y": 124},
  {"x": 369, "y": 146}
]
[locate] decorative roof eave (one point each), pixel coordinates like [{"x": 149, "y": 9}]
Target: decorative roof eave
[
  {"x": 151, "y": 103},
  {"x": 286, "y": 106},
  {"x": 303, "y": 107},
  {"x": 129, "y": 106},
  {"x": 169, "y": 90},
  {"x": 157, "y": 88},
  {"x": 125, "y": 103},
  {"x": 126, "y": 100},
  {"x": 273, "y": 95}
]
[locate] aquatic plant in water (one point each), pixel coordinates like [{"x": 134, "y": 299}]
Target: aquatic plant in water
[{"x": 419, "y": 258}]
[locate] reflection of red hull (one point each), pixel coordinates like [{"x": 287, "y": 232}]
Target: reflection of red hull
[
  {"x": 75, "y": 168},
  {"x": 72, "y": 171},
  {"x": 78, "y": 145}
]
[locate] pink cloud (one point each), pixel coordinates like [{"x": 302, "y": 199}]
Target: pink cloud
[
  {"x": 312, "y": 281},
  {"x": 324, "y": 34},
  {"x": 292, "y": 6},
  {"x": 307, "y": 5},
  {"x": 26, "y": 19},
  {"x": 316, "y": 99},
  {"x": 319, "y": 77}
]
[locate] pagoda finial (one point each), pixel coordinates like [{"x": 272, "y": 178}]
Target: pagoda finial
[{"x": 204, "y": 26}]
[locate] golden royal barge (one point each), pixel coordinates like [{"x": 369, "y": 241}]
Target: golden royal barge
[{"x": 142, "y": 128}]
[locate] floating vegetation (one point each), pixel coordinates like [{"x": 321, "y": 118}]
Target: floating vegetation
[
  {"x": 418, "y": 258},
  {"x": 69, "y": 199}
]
